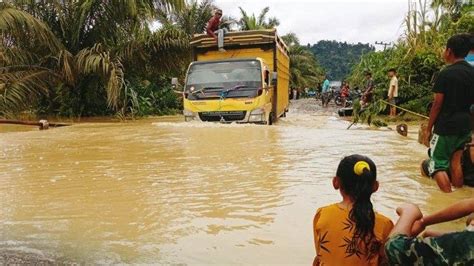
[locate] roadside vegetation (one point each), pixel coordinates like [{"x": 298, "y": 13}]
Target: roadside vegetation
[
  {"x": 417, "y": 55},
  {"x": 83, "y": 58},
  {"x": 89, "y": 58},
  {"x": 305, "y": 70}
]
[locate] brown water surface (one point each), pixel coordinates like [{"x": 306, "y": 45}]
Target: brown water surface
[{"x": 161, "y": 190}]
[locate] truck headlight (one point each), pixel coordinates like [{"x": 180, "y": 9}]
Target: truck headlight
[
  {"x": 188, "y": 115},
  {"x": 257, "y": 115}
]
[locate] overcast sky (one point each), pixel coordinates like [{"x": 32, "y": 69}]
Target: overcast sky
[{"x": 365, "y": 21}]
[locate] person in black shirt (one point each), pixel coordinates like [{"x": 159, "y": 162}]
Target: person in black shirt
[{"x": 450, "y": 114}]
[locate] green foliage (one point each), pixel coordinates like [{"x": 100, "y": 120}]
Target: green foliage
[
  {"x": 74, "y": 57},
  {"x": 252, "y": 22},
  {"x": 337, "y": 58},
  {"x": 145, "y": 98},
  {"x": 367, "y": 114},
  {"x": 305, "y": 71},
  {"x": 417, "y": 56},
  {"x": 192, "y": 18}
]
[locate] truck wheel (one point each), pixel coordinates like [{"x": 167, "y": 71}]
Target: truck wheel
[{"x": 270, "y": 119}]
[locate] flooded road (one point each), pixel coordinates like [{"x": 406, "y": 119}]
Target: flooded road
[{"x": 165, "y": 191}]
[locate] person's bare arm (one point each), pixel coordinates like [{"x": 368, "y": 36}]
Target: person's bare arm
[
  {"x": 432, "y": 233},
  {"x": 457, "y": 210},
  {"x": 370, "y": 89},
  {"x": 409, "y": 213},
  {"x": 315, "y": 222},
  {"x": 435, "y": 110}
]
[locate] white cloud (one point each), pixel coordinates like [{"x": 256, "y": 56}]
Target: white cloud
[{"x": 365, "y": 21}]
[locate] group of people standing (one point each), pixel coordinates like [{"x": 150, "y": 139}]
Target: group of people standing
[
  {"x": 368, "y": 91},
  {"x": 392, "y": 92},
  {"x": 350, "y": 232}
]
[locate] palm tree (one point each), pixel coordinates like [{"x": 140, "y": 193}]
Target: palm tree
[
  {"x": 252, "y": 22},
  {"x": 305, "y": 71},
  {"x": 193, "y": 17},
  {"x": 82, "y": 48}
]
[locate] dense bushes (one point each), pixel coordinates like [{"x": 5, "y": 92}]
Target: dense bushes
[
  {"x": 417, "y": 56},
  {"x": 146, "y": 98},
  {"x": 77, "y": 58}
]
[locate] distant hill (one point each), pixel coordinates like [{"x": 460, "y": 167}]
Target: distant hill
[{"x": 337, "y": 58}]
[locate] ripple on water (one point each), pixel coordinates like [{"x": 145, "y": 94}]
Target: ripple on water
[{"x": 175, "y": 192}]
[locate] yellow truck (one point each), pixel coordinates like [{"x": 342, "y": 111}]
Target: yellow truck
[{"x": 246, "y": 83}]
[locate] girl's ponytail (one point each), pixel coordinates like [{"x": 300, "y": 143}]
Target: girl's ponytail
[
  {"x": 358, "y": 174},
  {"x": 362, "y": 212}
]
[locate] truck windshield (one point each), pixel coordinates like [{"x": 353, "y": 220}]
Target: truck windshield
[{"x": 234, "y": 79}]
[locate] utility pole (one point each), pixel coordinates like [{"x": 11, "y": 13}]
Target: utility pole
[{"x": 385, "y": 44}]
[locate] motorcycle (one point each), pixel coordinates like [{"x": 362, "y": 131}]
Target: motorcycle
[
  {"x": 339, "y": 99},
  {"x": 349, "y": 101}
]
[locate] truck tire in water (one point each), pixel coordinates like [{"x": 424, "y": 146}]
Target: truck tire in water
[{"x": 270, "y": 119}]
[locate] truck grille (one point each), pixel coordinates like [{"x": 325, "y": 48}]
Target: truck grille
[{"x": 228, "y": 116}]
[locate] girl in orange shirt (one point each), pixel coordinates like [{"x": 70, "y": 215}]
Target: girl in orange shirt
[{"x": 350, "y": 232}]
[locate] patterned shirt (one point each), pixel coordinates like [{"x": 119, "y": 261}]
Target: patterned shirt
[
  {"x": 449, "y": 249},
  {"x": 333, "y": 237}
]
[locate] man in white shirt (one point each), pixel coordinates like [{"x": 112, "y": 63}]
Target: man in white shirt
[{"x": 393, "y": 91}]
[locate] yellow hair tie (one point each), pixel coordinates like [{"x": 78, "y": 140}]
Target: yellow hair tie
[{"x": 360, "y": 166}]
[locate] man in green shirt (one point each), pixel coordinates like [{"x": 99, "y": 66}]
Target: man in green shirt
[
  {"x": 450, "y": 114},
  {"x": 325, "y": 92}
]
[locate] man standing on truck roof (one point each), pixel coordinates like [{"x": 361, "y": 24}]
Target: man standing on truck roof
[{"x": 213, "y": 30}]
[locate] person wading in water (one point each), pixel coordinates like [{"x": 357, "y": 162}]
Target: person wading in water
[{"x": 450, "y": 115}]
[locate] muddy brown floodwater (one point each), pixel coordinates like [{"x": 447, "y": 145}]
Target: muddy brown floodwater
[{"x": 164, "y": 191}]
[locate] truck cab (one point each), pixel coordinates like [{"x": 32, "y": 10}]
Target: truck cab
[{"x": 245, "y": 84}]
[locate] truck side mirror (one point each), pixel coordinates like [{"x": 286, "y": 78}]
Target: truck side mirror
[
  {"x": 274, "y": 78},
  {"x": 174, "y": 82},
  {"x": 267, "y": 77},
  {"x": 175, "y": 85}
]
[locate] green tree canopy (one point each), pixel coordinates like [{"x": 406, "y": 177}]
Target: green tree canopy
[
  {"x": 338, "y": 58},
  {"x": 252, "y": 22},
  {"x": 417, "y": 54},
  {"x": 305, "y": 71},
  {"x": 80, "y": 51}
]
